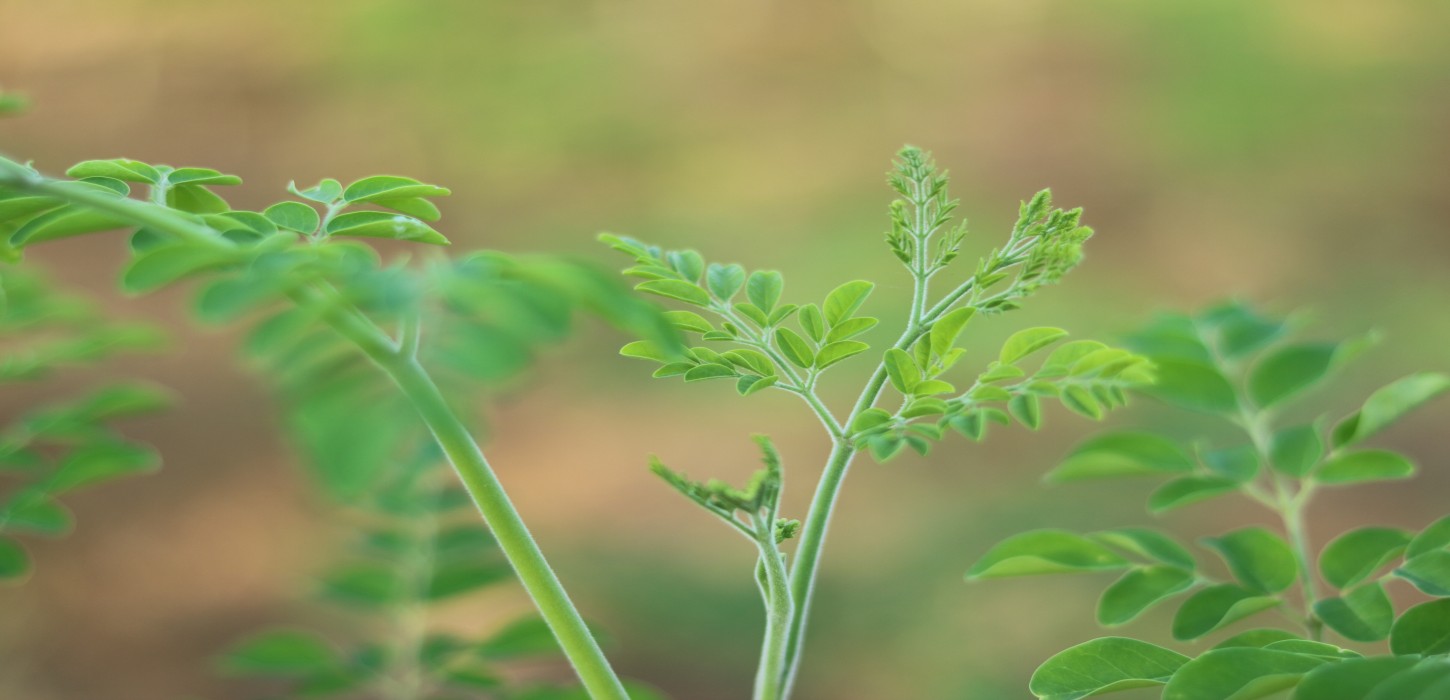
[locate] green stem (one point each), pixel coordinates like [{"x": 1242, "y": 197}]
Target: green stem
[
  {"x": 482, "y": 484},
  {"x": 451, "y": 434},
  {"x": 779, "y": 614}
]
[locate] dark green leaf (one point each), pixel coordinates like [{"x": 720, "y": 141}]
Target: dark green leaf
[
  {"x": 1148, "y": 544},
  {"x": 1193, "y": 385},
  {"x": 1352, "y": 679},
  {"x": 529, "y": 636},
  {"x": 14, "y": 562},
  {"x": 169, "y": 263},
  {"x": 1216, "y": 606},
  {"x": 37, "y": 515},
  {"x": 1240, "y": 463},
  {"x": 1436, "y": 536},
  {"x": 1258, "y": 558},
  {"x": 1423, "y": 629},
  {"x": 1358, "y": 554},
  {"x": 1139, "y": 590},
  {"x": 96, "y": 462},
  {"x": 1363, "y": 614},
  {"x": 1429, "y": 572},
  {"x": 1291, "y": 370}
]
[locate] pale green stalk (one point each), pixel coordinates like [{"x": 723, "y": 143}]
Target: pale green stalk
[{"x": 398, "y": 362}]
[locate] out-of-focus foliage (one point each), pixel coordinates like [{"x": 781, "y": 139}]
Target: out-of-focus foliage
[
  {"x": 1233, "y": 363},
  {"x": 52, "y": 450}
]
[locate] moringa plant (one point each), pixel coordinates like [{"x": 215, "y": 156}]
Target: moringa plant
[
  {"x": 1248, "y": 370},
  {"x": 347, "y": 335},
  {"x": 56, "y": 449},
  {"x": 755, "y": 340}
]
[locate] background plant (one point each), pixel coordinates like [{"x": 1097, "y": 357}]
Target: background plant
[
  {"x": 1242, "y": 367},
  {"x": 761, "y": 348},
  {"x": 57, "y": 448},
  {"x": 342, "y": 311}
]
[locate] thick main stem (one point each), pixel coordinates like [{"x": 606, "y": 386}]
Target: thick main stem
[{"x": 482, "y": 484}]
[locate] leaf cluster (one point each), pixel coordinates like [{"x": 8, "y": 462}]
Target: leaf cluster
[
  {"x": 53, "y": 450},
  {"x": 1241, "y": 366}
]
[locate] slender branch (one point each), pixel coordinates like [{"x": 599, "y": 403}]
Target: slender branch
[{"x": 779, "y": 613}]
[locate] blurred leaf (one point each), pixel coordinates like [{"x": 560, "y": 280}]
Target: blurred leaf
[
  {"x": 1363, "y": 614},
  {"x": 1149, "y": 544},
  {"x": 281, "y": 653},
  {"x": 1388, "y": 405},
  {"x": 1258, "y": 558},
  {"x": 1365, "y": 465},
  {"x": 1436, "y": 536},
  {"x": 1193, "y": 385},
  {"x": 1122, "y": 454},
  {"x": 1187, "y": 490},
  {"x": 1423, "y": 629},
  {"x": 1044, "y": 552},
  {"x": 1352, "y": 679},
  {"x": 1296, "y": 451},
  {"x": 14, "y": 562},
  {"x": 1356, "y": 555},
  {"x": 1429, "y": 572}
]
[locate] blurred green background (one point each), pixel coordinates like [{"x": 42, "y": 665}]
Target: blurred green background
[{"x": 1293, "y": 153}]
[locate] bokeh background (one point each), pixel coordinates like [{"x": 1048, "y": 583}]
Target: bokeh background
[{"x": 1292, "y": 153}]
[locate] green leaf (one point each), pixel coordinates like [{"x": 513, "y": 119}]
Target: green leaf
[
  {"x": 1429, "y": 680},
  {"x": 1239, "y": 673},
  {"x": 1436, "y": 536},
  {"x": 751, "y": 360},
  {"x": 724, "y": 281},
  {"x": 1429, "y": 572},
  {"x": 832, "y": 353},
  {"x": 645, "y": 350},
  {"x": 118, "y": 168},
  {"x": 948, "y": 328},
  {"x": 688, "y": 321},
  {"x": 901, "y": 369},
  {"x": 1296, "y": 451},
  {"x": 1122, "y": 454},
  {"x": 378, "y": 187},
  {"x": 1291, "y": 370},
  {"x": 1238, "y": 463},
  {"x": 1025, "y": 342},
  {"x": 795, "y": 348},
  {"x": 1351, "y": 679},
  {"x": 195, "y": 199},
  {"x": 710, "y": 371},
  {"x": 14, "y": 562},
  {"x": 677, "y": 289},
  {"x": 281, "y": 653},
  {"x": 1066, "y": 356},
  {"x": 293, "y": 216},
  {"x": 850, "y": 328},
  {"x": 529, "y": 636},
  {"x": 1140, "y": 589},
  {"x": 65, "y": 222},
  {"x": 1365, "y": 465},
  {"x": 1081, "y": 400},
  {"x": 1363, "y": 614},
  {"x": 1105, "y": 665},
  {"x": 812, "y": 323},
  {"x": 325, "y": 192},
  {"x": 1423, "y": 629},
  {"x": 461, "y": 577},
  {"x": 37, "y": 515},
  {"x": 1242, "y": 330},
  {"x": 1187, "y": 490},
  {"x": 1044, "y": 552},
  {"x": 763, "y": 288},
  {"x": 96, "y": 462},
  {"x": 1388, "y": 405},
  {"x": 365, "y": 585},
  {"x": 1027, "y": 409},
  {"x": 843, "y": 301},
  {"x": 162, "y": 265},
  {"x": 1356, "y": 555},
  {"x": 1256, "y": 638},
  {"x": 1216, "y": 606},
  {"x": 1193, "y": 385},
  {"x": 1258, "y": 558},
  {"x": 1149, "y": 544},
  {"x": 381, "y": 224},
  {"x": 201, "y": 176},
  {"x": 413, "y": 206}
]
